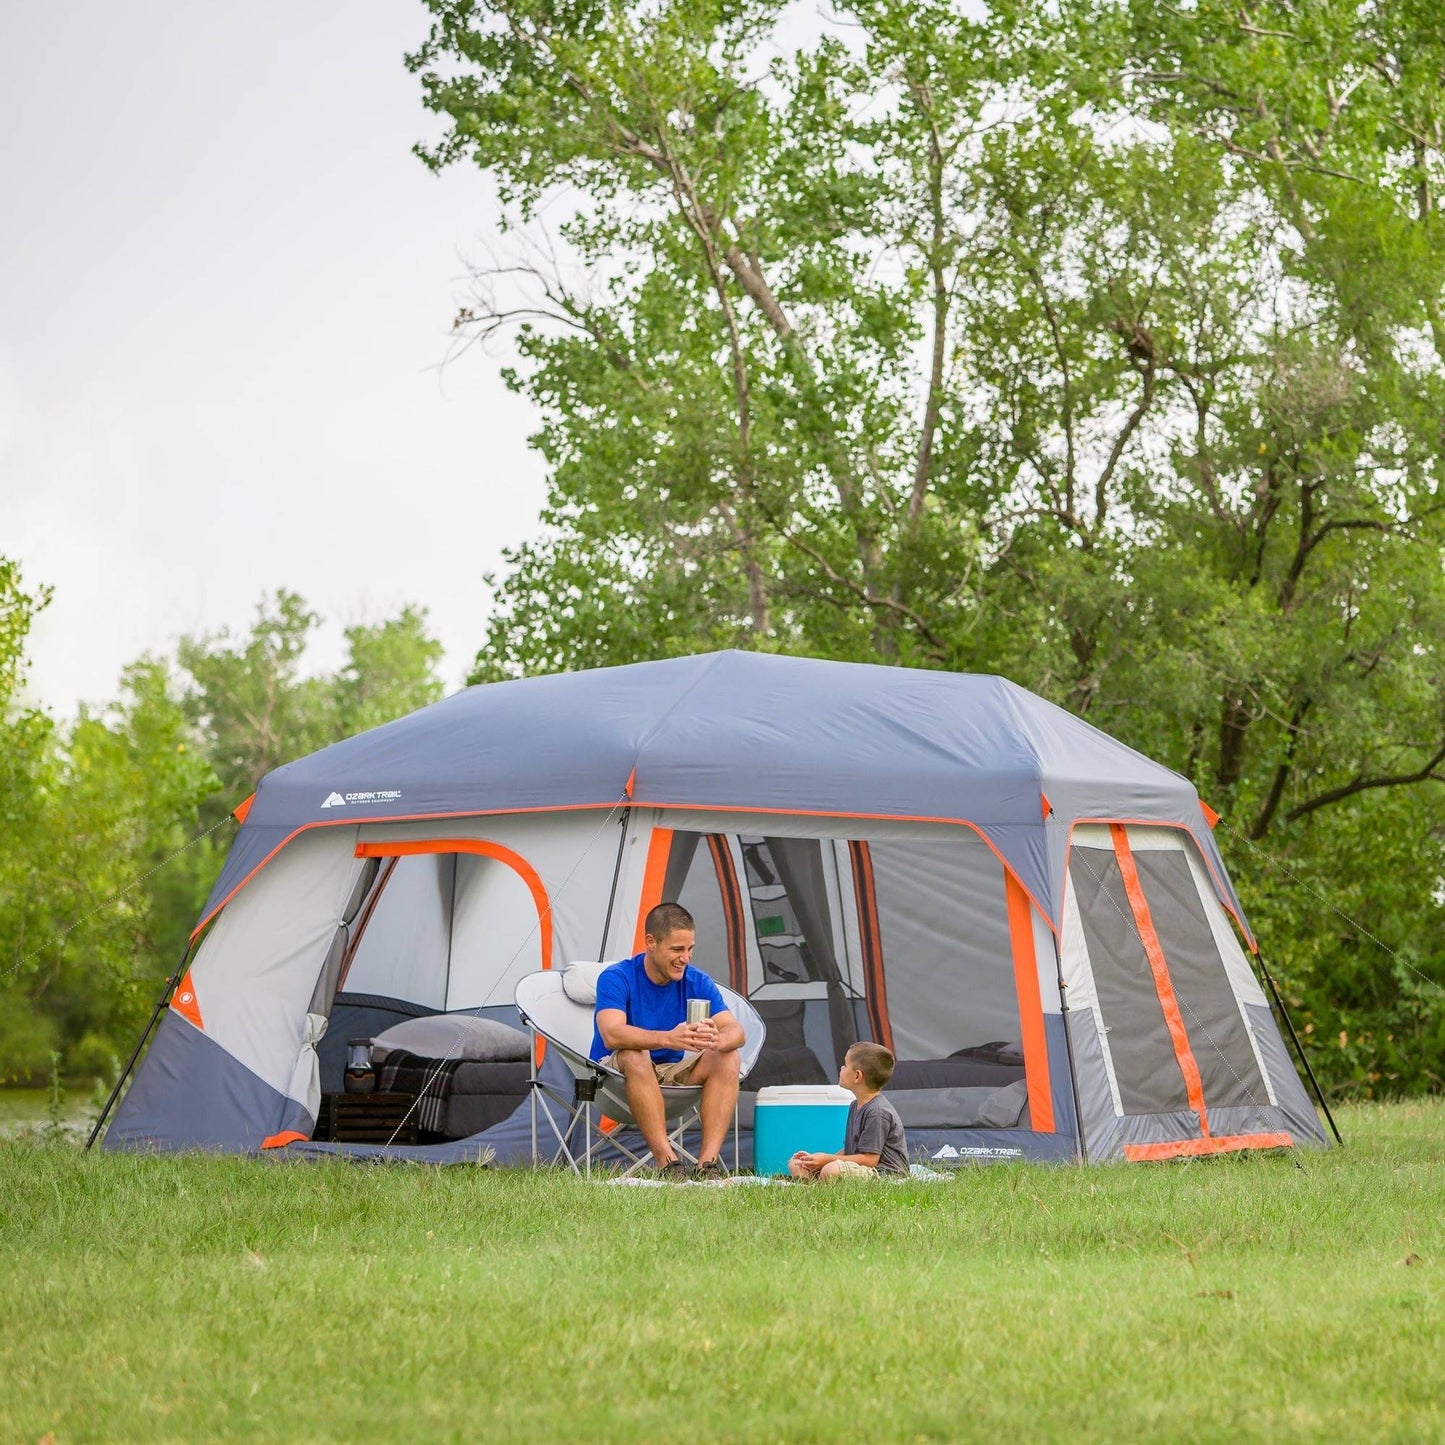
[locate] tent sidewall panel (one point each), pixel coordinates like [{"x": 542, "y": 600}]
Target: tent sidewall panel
[{"x": 255, "y": 974}]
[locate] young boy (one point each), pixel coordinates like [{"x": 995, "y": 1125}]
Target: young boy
[{"x": 873, "y": 1142}]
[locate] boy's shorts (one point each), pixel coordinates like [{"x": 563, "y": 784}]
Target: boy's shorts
[
  {"x": 847, "y": 1169},
  {"x": 668, "y": 1075}
]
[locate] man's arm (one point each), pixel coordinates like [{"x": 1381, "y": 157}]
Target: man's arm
[{"x": 617, "y": 1033}]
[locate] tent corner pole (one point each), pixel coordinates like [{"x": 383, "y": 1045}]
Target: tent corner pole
[
  {"x": 612, "y": 892},
  {"x": 1298, "y": 1046},
  {"x": 1080, "y": 1148},
  {"x": 167, "y": 989}
]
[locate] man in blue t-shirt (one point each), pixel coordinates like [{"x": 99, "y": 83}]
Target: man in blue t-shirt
[{"x": 641, "y": 1030}]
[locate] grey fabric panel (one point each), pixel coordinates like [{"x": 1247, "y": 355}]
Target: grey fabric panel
[
  {"x": 786, "y": 1066},
  {"x": 189, "y": 1093},
  {"x": 734, "y": 729},
  {"x": 404, "y": 951},
  {"x": 1000, "y": 1108},
  {"x": 947, "y": 950},
  {"x": 679, "y": 864},
  {"x": 818, "y": 1034},
  {"x": 1289, "y": 1089},
  {"x": 331, "y": 970},
  {"x": 953, "y": 1073},
  {"x": 1140, "y": 1046},
  {"x": 365, "y": 882},
  {"x": 1218, "y": 1038},
  {"x": 325, "y": 989},
  {"x": 700, "y": 895},
  {"x": 1095, "y": 1102}
]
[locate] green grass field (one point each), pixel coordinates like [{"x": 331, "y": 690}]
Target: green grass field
[{"x": 1236, "y": 1298}]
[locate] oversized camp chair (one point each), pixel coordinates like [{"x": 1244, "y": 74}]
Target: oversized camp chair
[{"x": 599, "y": 1093}]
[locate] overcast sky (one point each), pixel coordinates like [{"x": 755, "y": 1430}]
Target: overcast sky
[{"x": 225, "y": 292}]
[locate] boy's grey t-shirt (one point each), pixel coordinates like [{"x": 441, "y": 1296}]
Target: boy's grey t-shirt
[{"x": 875, "y": 1128}]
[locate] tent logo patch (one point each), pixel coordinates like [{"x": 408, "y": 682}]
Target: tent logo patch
[
  {"x": 384, "y": 795},
  {"x": 979, "y": 1151}
]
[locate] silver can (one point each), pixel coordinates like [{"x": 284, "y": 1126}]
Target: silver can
[{"x": 697, "y": 1010}]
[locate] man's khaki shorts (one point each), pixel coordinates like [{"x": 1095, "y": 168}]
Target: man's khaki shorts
[
  {"x": 847, "y": 1169},
  {"x": 669, "y": 1074}
]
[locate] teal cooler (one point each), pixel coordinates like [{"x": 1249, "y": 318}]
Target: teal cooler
[{"x": 789, "y": 1117}]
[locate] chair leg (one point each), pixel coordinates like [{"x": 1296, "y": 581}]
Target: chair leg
[{"x": 562, "y": 1136}]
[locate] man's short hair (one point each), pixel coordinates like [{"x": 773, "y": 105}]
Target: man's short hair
[
  {"x": 666, "y": 919},
  {"x": 874, "y": 1061}
]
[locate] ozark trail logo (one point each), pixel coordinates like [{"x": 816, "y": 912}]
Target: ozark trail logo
[
  {"x": 384, "y": 795},
  {"x": 979, "y": 1151}
]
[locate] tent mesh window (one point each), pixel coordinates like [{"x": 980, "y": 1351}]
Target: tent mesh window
[
  {"x": 1146, "y": 1062},
  {"x": 1146, "y": 1067},
  {"x": 1218, "y": 1035},
  {"x": 947, "y": 963}
]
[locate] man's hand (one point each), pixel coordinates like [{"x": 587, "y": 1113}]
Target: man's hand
[
  {"x": 693, "y": 1038},
  {"x": 804, "y": 1164}
]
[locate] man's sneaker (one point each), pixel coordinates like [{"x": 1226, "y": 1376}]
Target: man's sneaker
[
  {"x": 709, "y": 1169},
  {"x": 673, "y": 1172}
]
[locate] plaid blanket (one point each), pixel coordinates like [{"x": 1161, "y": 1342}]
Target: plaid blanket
[{"x": 430, "y": 1080}]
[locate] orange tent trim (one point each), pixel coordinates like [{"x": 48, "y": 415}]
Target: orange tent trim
[
  {"x": 1219, "y": 1144},
  {"x": 1031, "y": 1009}
]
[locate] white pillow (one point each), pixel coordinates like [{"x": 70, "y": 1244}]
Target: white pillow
[
  {"x": 457, "y": 1036},
  {"x": 579, "y": 981}
]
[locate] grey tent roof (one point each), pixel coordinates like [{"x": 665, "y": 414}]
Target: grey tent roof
[{"x": 740, "y": 730}]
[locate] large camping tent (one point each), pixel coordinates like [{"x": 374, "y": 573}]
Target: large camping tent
[{"x": 1032, "y": 916}]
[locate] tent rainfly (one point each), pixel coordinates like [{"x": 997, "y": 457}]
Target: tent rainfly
[{"x": 1032, "y": 916}]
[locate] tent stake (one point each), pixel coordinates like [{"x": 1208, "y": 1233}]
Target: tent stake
[
  {"x": 1299, "y": 1047},
  {"x": 166, "y": 992}
]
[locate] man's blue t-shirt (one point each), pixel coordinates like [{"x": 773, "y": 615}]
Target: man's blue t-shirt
[{"x": 649, "y": 1005}]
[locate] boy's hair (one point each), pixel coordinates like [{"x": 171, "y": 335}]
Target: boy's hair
[
  {"x": 666, "y": 919},
  {"x": 874, "y": 1061}
]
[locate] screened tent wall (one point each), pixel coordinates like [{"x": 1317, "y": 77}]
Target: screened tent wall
[{"x": 1175, "y": 1048}]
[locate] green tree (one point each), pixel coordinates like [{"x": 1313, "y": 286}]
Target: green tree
[
  {"x": 390, "y": 670},
  {"x": 114, "y": 827},
  {"x": 250, "y": 699},
  {"x": 1096, "y": 345},
  {"x": 27, "y": 765}
]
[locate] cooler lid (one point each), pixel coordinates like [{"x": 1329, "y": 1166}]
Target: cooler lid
[{"x": 804, "y": 1094}]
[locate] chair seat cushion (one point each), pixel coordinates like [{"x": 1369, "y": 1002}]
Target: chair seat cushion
[{"x": 579, "y": 981}]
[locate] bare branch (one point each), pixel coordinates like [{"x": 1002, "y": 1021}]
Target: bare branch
[{"x": 1427, "y": 773}]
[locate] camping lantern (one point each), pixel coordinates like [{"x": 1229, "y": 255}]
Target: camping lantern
[{"x": 360, "y": 1073}]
